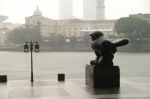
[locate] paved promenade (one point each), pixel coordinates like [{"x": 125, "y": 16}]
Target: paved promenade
[
  {"x": 134, "y": 76},
  {"x": 131, "y": 88}
]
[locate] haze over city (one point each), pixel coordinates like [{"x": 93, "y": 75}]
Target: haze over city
[
  {"x": 17, "y": 10},
  {"x": 88, "y": 49}
]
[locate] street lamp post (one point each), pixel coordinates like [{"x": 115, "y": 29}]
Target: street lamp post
[{"x": 26, "y": 49}]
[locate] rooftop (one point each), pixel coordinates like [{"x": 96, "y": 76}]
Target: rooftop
[{"x": 140, "y": 15}]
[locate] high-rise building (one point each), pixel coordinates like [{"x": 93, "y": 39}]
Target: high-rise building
[
  {"x": 65, "y": 9},
  {"x": 100, "y": 10},
  {"x": 93, "y": 10}
]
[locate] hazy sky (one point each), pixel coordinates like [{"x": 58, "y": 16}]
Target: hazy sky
[{"x": 17, "y": 10}]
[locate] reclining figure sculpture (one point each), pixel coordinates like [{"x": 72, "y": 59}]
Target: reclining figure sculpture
[{"x": 104, "y": 48}]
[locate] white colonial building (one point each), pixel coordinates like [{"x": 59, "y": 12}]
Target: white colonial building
[{"x": 68, "y": 27}]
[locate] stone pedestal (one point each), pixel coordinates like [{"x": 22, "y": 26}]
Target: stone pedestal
[{"x": 102, "y": 77}]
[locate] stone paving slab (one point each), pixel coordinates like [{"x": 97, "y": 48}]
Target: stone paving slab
[{"x": 133, "y": 88}]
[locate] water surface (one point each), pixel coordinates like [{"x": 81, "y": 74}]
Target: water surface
[{"x": 17, "y": 65}]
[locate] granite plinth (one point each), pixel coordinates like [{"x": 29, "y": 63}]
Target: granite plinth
[{"x": 102, "y": 77}]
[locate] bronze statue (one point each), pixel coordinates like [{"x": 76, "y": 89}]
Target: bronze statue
[{"x": 104, "y": 48}]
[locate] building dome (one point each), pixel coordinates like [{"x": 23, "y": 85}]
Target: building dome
[{"x": 37, "y": 12}]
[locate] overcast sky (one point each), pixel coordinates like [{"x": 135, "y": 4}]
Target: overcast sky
[{"x": 17, "y": 10}]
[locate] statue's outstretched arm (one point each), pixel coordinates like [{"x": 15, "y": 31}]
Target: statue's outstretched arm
[{"x": 121, "y": 42}]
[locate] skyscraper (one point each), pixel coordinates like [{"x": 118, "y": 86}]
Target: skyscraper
[
  {"x": 65, "y": 9},
  {"x": 93, "y": 10}
]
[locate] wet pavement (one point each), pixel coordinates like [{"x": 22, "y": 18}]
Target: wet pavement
[
  {"x": 134, "y": 76},
  {"x": 130, "y": 88}
]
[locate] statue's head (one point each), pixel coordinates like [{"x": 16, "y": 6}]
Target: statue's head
[{"x": 95, "y": 35}]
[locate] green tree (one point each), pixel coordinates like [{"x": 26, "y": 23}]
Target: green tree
[
  {"x": 20, "y": 35},
  {"x": 137, "y": 30},
  {"x": 16, "y": 36},
  {"x": 33, "y": 33},
  {"x": 61, "y": 40},
  {"x": 86, "y": 38},
  {"x": 73, "y": 40},
  {"x": 132, "y": 27},
  {"x": 52, "y": 39}
]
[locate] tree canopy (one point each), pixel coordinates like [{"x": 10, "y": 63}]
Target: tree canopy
[
  {"x": 130, "y": 26},
  {"x": 136, "y": 30},
  {"x": 23, "y": 34}
]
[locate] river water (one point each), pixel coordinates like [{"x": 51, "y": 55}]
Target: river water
[{"x": 46, "y": 65}]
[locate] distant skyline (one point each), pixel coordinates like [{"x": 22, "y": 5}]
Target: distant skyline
[
  {"x": 17, "y": 10},
  {"x": 65, "y": 6}
]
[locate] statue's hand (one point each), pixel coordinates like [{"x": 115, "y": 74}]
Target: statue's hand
[{"x": 93, "y": 62}]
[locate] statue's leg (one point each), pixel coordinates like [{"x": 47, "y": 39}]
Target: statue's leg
[
  {"x": 106, "y": 54},
  {"x": 106, "y": 60}
]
